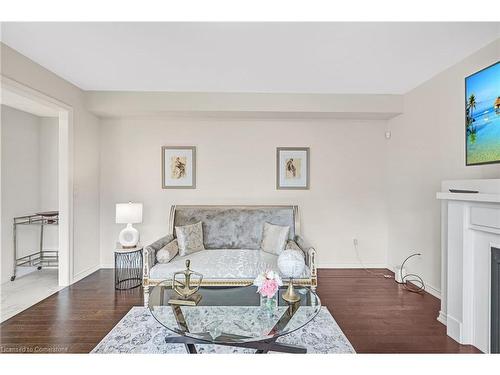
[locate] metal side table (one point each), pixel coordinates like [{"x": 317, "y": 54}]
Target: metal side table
[{"x": 128, "y": 267}]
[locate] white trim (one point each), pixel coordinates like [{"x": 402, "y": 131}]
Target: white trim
[
  {"x": 478, "y": 197},
  {"x": 454, "y": 329},
  {"x": 428, "y": 288},
  {"x": 107, "y": 265},
  {"x": 351, "y": 265},
  {"x": 442, "y": 318},
  {"x": 33, "y": 94},
  {"x": 66, "y": 196},
  {"x": 85, "y": 273},
  {"x": 65, "y": 172},
  {"x": 433, "y": 291}
]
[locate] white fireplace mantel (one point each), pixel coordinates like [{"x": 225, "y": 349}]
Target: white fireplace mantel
[
  {"x": 470, "y": 226},
  {"x": 490, "y": 198}
]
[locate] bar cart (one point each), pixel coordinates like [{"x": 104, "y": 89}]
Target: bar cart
[{"x": 41, "y": 258}]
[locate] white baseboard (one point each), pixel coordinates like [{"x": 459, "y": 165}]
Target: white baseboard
[
  {"x": 85, "y": 273},
  {"x": 107, "y": 265},
  {"x": 454, "y": 328},
  {"x": 442, "y": 318},
  {"x": 428, "y": 288},
  {"x": 433, "y": 291},
  {"x": 351, "y": 265}
]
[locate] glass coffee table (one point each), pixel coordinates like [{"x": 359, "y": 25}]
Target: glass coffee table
[{"x": 234, "y": 316}]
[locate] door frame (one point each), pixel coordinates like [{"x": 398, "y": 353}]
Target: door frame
[{"x": 65, "y": 172}]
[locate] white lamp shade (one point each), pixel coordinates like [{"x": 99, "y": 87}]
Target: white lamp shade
[{"x": 128, "y": 213}]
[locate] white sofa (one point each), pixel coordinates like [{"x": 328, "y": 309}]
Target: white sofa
[{"x": 231, "y": 236}]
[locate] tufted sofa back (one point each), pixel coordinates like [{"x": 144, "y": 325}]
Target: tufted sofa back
[{"x": 234, "y": 227}]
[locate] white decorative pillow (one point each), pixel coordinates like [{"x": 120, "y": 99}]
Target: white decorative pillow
[
  {"x": 292, "y": 245},
  {"x": 167, "y": 252},
  {"x": 190, "y": 238},
  {"x": 291, "y": 263},
  {"x": 274, "y": 238}
]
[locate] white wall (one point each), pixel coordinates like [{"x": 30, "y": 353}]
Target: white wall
[
  {"x": 86, "y": 153},
  {"x": 20, "y": 181},
  {"x": 361, "y": 185},
  {"x": 49, "y": 134},
  {"x": 428, "y": 146},
  {"x": 29, "y": 164},
  {"x": 212, "y": 104},
  {"x": 48, "y": 172},
  {"x": 236, "y": 165}
]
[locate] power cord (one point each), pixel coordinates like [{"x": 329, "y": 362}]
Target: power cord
[
  {"x": 411, "y": 282},
  {"x": 355, "y": 243}
]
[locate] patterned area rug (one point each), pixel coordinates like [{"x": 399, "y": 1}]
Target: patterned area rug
[{"x": 139, "y": 332}]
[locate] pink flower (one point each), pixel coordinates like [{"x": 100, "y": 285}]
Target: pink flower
[
  {"x": 268, "y": 283},
  {"x": 268, "y": 288}
]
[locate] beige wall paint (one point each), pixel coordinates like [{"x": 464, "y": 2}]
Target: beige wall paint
[
  {"x": 49, "y": 137},
  {"x": 29, "y": 164},
  {"x": 86, "y": 152},
  {"x": 20, "y": 181},
  {"x": 236, "y": 165},
  {"x": 427, "y": 146},
  {"x": 381, "y": 192},
  {"x": 256, "y": 105},
  {"x": 48, "y": 172}
]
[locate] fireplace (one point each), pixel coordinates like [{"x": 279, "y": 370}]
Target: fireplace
[
  {"x": 495, "y": 300},
  {"x": 470, "y": 274}
]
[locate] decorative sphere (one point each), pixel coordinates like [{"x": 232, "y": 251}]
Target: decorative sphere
[{"x": 291, "y": 263}]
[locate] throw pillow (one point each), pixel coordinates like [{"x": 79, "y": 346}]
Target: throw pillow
[
  {"x": 190, "y": 238},
  {"x": 274, "y": 238},
  {"x": 167, "y": 252},
  {"x": 292, "y": 245}
]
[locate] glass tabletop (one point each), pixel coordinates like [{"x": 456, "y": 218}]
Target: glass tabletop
[{"x": 233, "y": 314}]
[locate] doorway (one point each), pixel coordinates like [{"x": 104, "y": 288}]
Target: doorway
[{"x": 36, "y": 173}]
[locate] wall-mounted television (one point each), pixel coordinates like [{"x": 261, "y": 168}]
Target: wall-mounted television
[{"x": 482, "y": 116}]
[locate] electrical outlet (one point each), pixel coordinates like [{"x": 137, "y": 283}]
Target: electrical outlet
[{"x": 355, "y": 241}]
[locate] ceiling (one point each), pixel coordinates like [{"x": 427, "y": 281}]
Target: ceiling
[{"x": 368, "y": 58}]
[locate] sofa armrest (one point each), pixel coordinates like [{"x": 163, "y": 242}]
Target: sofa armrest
[
  {"x": 310, "y": 253},
  {"x": 149, "y": 259},
  {"x": 149, "y": 253},
  {"x": 311, "y": 256}
]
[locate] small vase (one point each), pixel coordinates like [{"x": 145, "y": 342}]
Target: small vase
[{"x": 269, "y": 303}]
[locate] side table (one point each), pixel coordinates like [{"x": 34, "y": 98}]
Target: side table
[{"x": 128, "y": 267}]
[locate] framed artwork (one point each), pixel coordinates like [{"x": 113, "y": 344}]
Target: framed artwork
[
  {"x": 178, "y": 167},
  {"x": 292, "y": 168}
]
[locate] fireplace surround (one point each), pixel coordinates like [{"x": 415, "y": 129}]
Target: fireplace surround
[
  {"x": 495, "y": 300},
  {"x": 470, "y": 230}
]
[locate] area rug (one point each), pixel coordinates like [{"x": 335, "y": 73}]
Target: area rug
[{"x": 139, "y": 332}]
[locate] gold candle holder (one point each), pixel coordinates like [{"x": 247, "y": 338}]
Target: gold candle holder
[{"x": 290, "y": 294}]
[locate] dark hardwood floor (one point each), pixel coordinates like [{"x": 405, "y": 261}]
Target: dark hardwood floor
[
  {"x": 379, "y": 316},
  {"x": 376, "y": 315}
]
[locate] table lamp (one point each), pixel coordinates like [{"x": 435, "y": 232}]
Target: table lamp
[
  {"x": 291, "y": 264},
  {"x": 128, "y": 213}
]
